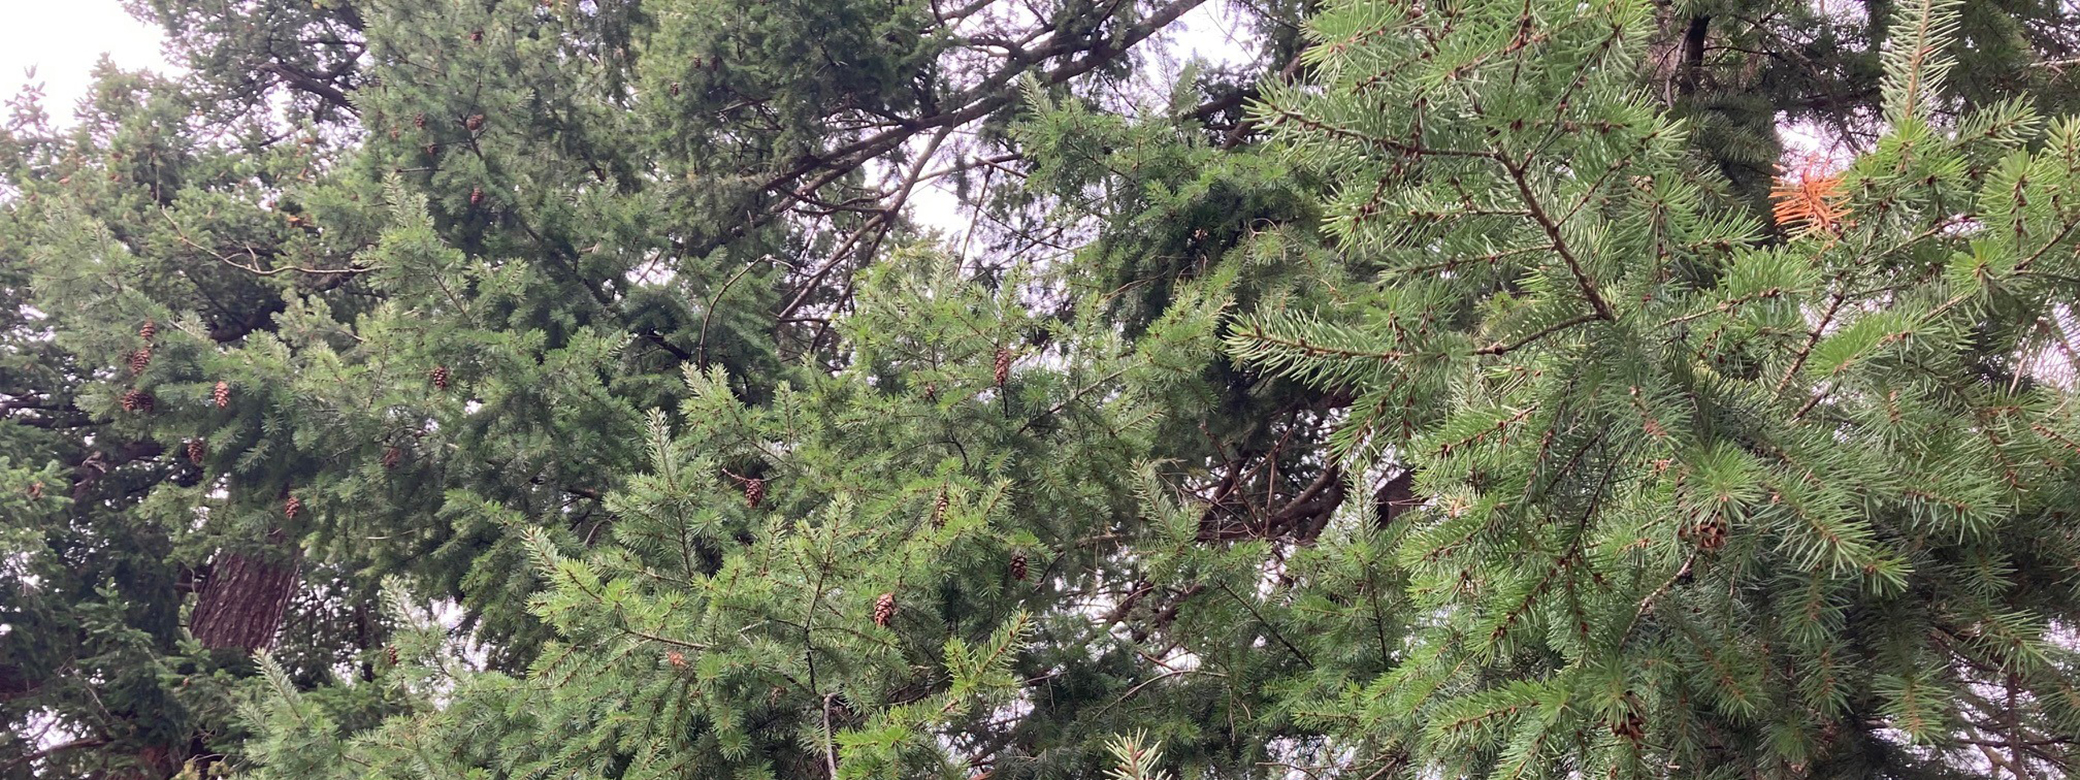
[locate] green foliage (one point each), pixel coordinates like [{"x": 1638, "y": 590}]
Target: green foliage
[{"x": 550, "y": 389}]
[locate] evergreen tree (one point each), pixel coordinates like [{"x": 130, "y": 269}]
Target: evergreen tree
[
  {"x": 555, "y": 389},
  {"x": 1696, "y": 502}
]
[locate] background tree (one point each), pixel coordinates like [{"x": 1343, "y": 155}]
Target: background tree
[{"x": 409, "y": 293}]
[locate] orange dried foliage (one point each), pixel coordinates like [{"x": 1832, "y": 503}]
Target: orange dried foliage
[{"x": 1810, "y": 200}]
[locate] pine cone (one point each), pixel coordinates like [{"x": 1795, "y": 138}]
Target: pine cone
[
  {"x": 391, "y": 456},
  {"x": 475, "y": 122},
  {"x": 292, "y": 507},
  {"x": 140, "y": 359},
  {"x": 939, "y": 509},
  {"x": 442, "y": 377},
  {"x": 221, "y": 395},
  {"x": 1003, "y": 368},
  {"x": 1709, "y": 535},
  {"x": 419, "y": 120},
  {"x": 476, "y": 195},
  {"x": 431, "y": 149},
  {"x": 884, "y": 609},
  {"x": 676, "y": 659},
  {"x": 148, "y": 330},
  {"x": 476, "y": 36},
  {"x": 35, "y": 490},
  {"x": 138, "y": 401},
  {"x": 1632, "y": 728},
  {"x": 675, "y": 89},
  {"x": 754, "y": 492},
  {"x": 390, "y": 652},
  {"x": 1018, "y": 566},
  {"x": 197, "y": 450}
]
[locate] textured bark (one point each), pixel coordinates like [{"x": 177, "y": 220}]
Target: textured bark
[{"x": 243, "y": 597}]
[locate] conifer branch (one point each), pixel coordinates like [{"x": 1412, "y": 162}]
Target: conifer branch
[
  {"x": 1501, "y": 348},
  {"x": 1552, "y": 231}
]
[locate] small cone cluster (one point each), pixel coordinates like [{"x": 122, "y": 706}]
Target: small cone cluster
[{"x": 884, "y": 609}]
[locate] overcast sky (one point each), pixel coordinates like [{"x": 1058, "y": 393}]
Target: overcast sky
[{"x": 62, "y": 39}]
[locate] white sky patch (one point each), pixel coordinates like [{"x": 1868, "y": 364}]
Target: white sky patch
[{"x": 63, "y": 40}]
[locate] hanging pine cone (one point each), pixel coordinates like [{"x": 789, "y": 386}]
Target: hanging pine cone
[
  {"x": 35, "y": 490},
  {"x": 754, "y": 492},
  {"x": 1631, "y": 728},
  {"x": 148, "y": 330},
  {"x": 390, "y": 652},
  {"x": 475, "y": 122},
  {"x": 419, "y": 120},
  {"x": 140, "y": 359},
  {"x": 675, "y": 89},
  {"x": 431, "y": 149},
  {"x": 939, "y": 509},
  {"x": 221, "y": 394},
  {"x": 1003, "y": 368},
  {"x": 197, "y": 450},
  {"x": 476, "y": 195},
  {"x": 391, "y": 456},
  {"x": 884, "y": 609},
  {"x": 292, "y": 506},
  {"x": 442, "y": 377},
  {"x": 1709, "y": 535},
  {"x": 676, "y": 659},
  {"x": 138, "y": 401},
  {"x": 1018, "y": 566},
  {"x": 476, "y": 36}
]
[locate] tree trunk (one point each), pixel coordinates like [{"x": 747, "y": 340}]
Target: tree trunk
[{"x": 244, "y": 595}]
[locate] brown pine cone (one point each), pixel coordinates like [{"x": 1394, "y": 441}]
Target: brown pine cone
[
  {"x": 1003, "y": 367},
  {"x": 1631, "y": 728},
  {"x": 476, "y": 195},
  {"x": 148, "y": 330},
  {"x": 35, "y": 490},
  {"x": 197, "y": 450},
  {"x": 221, "y": 394},
  {"x": 292, "y": 507},
  {"x": 676, "y": 659},
  {"x": 1018, "y": 566},
  {"x": 138, "y": 401},
  {"x": 442, "y": 377},
  {"x": 140, "y": 359},
  {"x": 431, "y": 149},
  {"x": 754, "y": 492},
  {"x": 476, "y": 36},
  {"x": 475, "y": 122},
  {"x": 419, "y": 120},
  {"x": 390, "y": 653},
  {"x": 391, "y": 456},
  {"x": 939, "y": 509},
  {"x": 884, "y": 609}
]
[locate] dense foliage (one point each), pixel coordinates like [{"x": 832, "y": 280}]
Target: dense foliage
[{"x": 599, "y": 389}]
